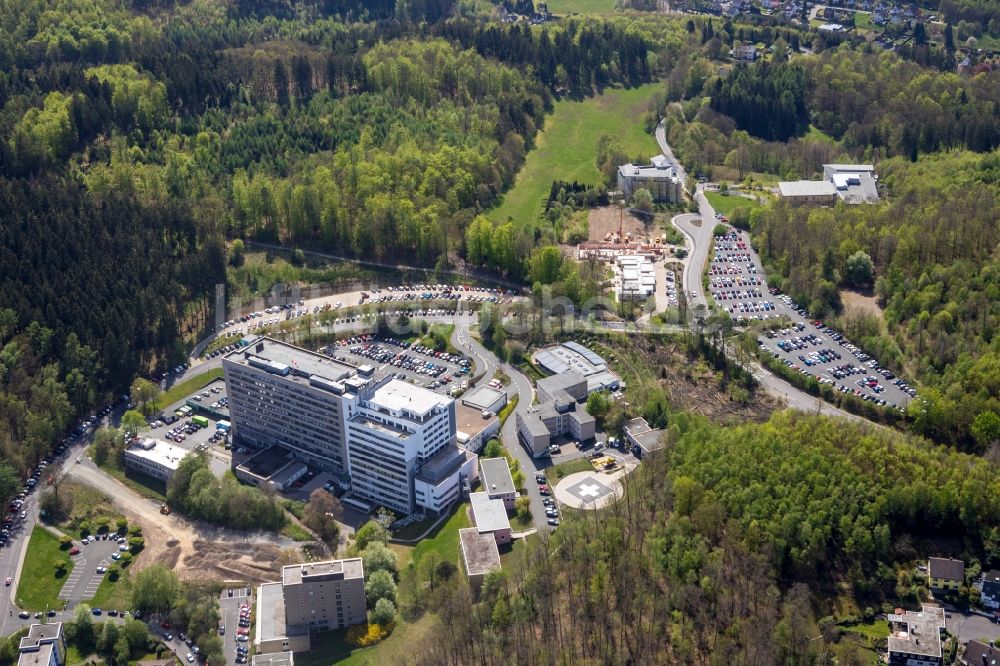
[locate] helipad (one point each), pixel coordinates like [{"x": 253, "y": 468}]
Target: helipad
[{"x": 584, "y": 490}]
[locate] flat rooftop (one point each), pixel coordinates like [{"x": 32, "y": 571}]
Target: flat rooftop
[
  {"x": 322, "y": 571},
  {"x": 533, "y": 422},
  {"x": 38, "y": 656},
  {"x": 41, "y": 632},
  {"x": 470, "y": 421},
  {"x": 267, "y": 463},
  {"x": 443, "y": 464},
  {"x": 479, "y": 551},
  {"x": 270, "y": 612},
  {"x": 572, "y": 357},
  {"x": 917, "y": 633},
  {"x": 482, "y": 398},
  {"x": 807, "y": 188},
  {"x": 489, "y": 514},
  {"x": 397, "y": 395},
  {"x": 496, "y": 476},
  {"x": 273, "y": 659},
  {"x": 162, "y": 453},
  {"x": 301, "y": 363},
  {"x": 379, "y": 427}
]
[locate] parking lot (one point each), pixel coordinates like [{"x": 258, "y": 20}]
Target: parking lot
[
  {"x": 258, "y": 320},
  {"x": 737, "y": 284},
  {"x": 82, "y": 583},
  {"x": 412, "y": 362},
  {"x": 231, "y": 604},
  {"x": 186, "y": 431}
]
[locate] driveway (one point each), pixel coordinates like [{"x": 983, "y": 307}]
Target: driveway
[{"x": 971, "y": 627}]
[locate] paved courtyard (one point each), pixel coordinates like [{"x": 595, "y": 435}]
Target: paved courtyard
[{"x": 587, "y": 490}]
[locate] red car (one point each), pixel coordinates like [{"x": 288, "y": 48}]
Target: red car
[
  {"x": 74, "y": 551},
  {"x": 165, "y": 625}
]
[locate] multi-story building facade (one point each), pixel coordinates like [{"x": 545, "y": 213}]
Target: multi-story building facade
[
  {"x": 318, "y": 596},
  {"x": 282, "y": 395},
  {"x": 394, "y": 442},
  {"x": 398, "y": 431}
]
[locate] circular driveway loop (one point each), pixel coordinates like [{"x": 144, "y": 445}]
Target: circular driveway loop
[{"x": 587, "y": 490}]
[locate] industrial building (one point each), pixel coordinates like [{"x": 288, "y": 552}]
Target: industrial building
[
  {"x": 635, "y": 279},
  {"x": 855, "y": 183},
  {"x": 659, "y": 178},
  {"x": 275, "y": 468},
  {"x": 490, "y": 517},
  {"x": 155, "y": 458},
  {"x": 808, "y": 192},
  {"x": 915, "y": 638},
  {"x": 559, "y": 359},
  {"x": 45, "y": 645},
  {"x": 851, "y": 183},
  {"x": 318, "y": 596},
  {"x": 393, "y": 443}
]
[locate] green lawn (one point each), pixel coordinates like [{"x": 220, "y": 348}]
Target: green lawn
[
  {"x": 566, "y": 148},
  {"x": 39, "y": 586},
  {"x": 863, "y": 21},
  {"x": 877, "y": 629},
  {"x": 188, "y": 386},
  {"x": 295, "y": 532},
  {"x": 726, "y": 204},
  {"x": 113, "y": 594},
  {"x": 582, "y": 6},
  {"x": 145, "y": 485},
  {"x": 562, "y": 470}
]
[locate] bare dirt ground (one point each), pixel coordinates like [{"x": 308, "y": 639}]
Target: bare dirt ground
[
  {"x": 194, "y": 550},
  {"x": 853, "y": 300},
  {"x": 606, "y": 220}
]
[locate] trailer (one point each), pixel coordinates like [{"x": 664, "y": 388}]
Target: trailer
[
  {"x": 200, "y": 420},
  {"x": 223, "y": 425}
]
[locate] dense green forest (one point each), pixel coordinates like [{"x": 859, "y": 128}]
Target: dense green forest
[
  {"x": 716, "y": 544},
  {"x": 933, "y": 137},
  {"x": 137, "y": 137}
]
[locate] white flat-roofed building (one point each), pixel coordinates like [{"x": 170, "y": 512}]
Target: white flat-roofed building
[
  {"x": 474, "y": 428},
  {"x": 395, "y": 430},
  {"x": 45, "y": 645},
  {"x": 485, "y": 398},
  {"x": 915, "y": 638},
  {"x": 155, "y": 458},
  {"x": 808, "y": 192},
  {"x": 490, "y": 517},
  {"x": 497, "y": 481}
]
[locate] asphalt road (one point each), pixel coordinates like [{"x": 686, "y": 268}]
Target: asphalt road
[
  {"x": 661, "y": 138},
  {"x": 970, "y": 627}
]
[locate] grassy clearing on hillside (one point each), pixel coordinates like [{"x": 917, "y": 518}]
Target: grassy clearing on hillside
[
  {"x": 726, "y": 204},
  {"x": 582, "y": 6},
  {"x": 567, "y": 146},
  {"x": 39, "y": 585},
  {"x": 816, "y": 133}
]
